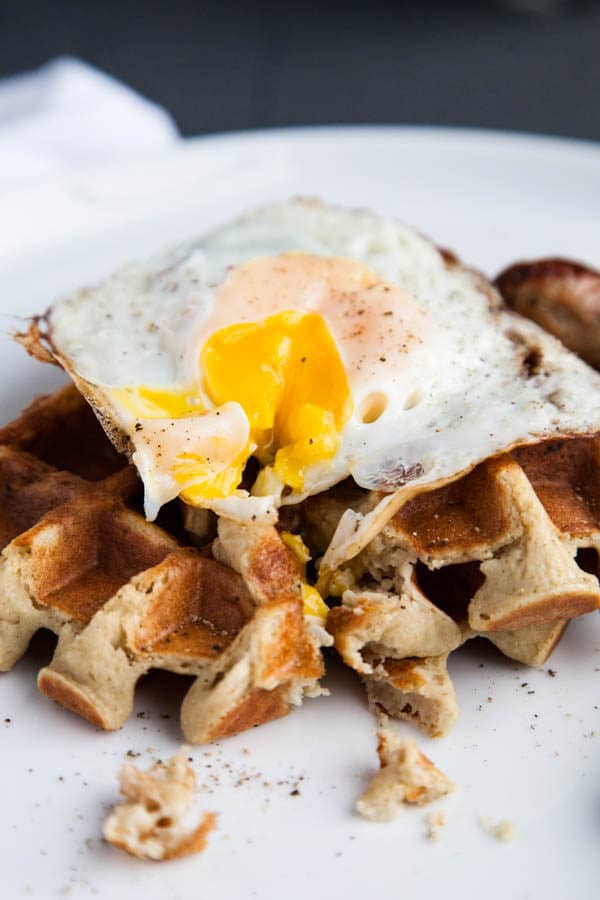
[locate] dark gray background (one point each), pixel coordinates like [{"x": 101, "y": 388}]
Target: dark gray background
[{"x": 220, "y": 66}]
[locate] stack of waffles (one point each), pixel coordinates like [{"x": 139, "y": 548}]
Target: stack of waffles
[{"x": 508, "y": 552}]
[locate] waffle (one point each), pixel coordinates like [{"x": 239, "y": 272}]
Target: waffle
[
  {"x": 124, "y": 596},
  {"x": 275, "y": 660},
  {"x": 61, "y": 430},
  {"x": 417, "y": 690},
  {"x": 509, "y": 553}
]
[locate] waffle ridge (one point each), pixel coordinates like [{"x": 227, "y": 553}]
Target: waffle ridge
[
  {"x": 508, "y": 552},
  {"x": 124, "y": 596}
]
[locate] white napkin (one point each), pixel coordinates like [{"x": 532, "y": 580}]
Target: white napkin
[{"x": 67, "y": 114}]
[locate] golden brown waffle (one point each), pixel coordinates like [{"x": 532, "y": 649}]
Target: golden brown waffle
[
  {"x": 275, "y": 660},
  {"x": 61, "y": 430},
  {"x": 123, "y": 596},
  {"x": 418, "y": 690},
  {"x": 508, "y": 552},
  {"x": 501, "y": 553}
]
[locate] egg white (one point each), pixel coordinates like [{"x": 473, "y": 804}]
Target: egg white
[{"x": 465, "y": 394}]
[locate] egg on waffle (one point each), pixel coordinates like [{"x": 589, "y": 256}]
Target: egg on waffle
[
  {"x": 300, "y": 345},
  {"x": 330, "y": 385}
]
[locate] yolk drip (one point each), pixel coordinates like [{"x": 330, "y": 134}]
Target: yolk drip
[
  {"x": 158, "y": 403},
  {"x": 287, "y": 374},
  {"x": 207, "y": 484},
  {"x": 314, "y": 605}
]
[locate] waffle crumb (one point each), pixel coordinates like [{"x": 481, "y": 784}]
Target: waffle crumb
[
  {"x": 406, "y": 776},
  {"x": 149, "y": 824},
  {"x": 504, "y": 831},
  {"x": 435, "y": 822}
]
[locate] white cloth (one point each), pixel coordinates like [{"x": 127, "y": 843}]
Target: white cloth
[{"x": 67, "y": 114}]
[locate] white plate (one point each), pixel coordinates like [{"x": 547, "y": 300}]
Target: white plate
[{"x": 523, "y": 752}]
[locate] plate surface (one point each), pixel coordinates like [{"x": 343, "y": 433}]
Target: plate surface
[{"x": 526, "y": 746}]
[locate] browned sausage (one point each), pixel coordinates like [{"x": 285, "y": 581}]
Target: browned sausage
[{"x": 560, "y": 295}]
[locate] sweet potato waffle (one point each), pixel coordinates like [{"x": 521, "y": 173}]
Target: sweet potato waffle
[
  {"x": 509, "y": 552},
  {"x": 124, "y": 595}
]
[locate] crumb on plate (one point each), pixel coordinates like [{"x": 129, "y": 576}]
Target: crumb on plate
[
  {"x": 504, "y": 831},
  {"x": 150, "y": 823},
  {"x": 406, "y": 776},
  {"x": 435, "y": 822}
]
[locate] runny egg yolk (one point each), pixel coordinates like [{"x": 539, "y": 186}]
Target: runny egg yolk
[
  {"x": 287, "y": 374},
  {"x": 157, "y": 403},
  {"x": 313, "y": 603},
  {"x": 284, "y": 372},
  {"x": 265, "y": 378}
]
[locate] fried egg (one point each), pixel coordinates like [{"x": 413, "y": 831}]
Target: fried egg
[{"x": 303, "y": 344}]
